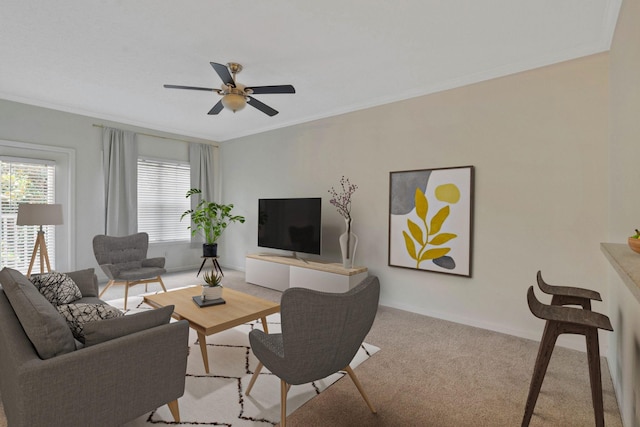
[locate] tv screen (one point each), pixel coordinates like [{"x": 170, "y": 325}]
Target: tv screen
[{"x": 290, "y": 224}]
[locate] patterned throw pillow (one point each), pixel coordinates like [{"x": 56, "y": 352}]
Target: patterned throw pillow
[
  {"x": 77, "y": 315},
  {"x": 57, "y": 288}
]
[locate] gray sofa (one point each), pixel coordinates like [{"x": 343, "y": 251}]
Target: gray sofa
[{"x": 129, "y": 370}]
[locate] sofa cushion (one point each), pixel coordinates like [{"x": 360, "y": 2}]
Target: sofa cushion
[
  {"x": 57, "y": 288},
  {"x": 77, "y": 315},
  {"x": 86, "y": 281},
  {"x": 97, "y": 332},
  {"x": 46, "y": 329}
]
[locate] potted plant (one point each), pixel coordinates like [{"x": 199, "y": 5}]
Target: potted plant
[
  {"x": 212, "y": 289},
  {"x": 210, "y": 219}
]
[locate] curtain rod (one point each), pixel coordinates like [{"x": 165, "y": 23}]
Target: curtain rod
[{"x": 155, "y": 136}]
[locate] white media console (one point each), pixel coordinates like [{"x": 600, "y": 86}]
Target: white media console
[{"x": 281, "y": 273}]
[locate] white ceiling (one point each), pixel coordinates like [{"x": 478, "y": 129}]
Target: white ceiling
[{"x": 110, "y": 58}]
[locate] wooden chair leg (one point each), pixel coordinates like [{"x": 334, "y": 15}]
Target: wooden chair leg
[
  {"x": 254, "y": 377},
  {"x": 111, "y": 282},
  {"x": 547, "y": 343},
  {"x": 284, "y": 388},
  {"x": 161, "y": 284},
  {"x": 175, "y": 410},
  {"x": 126, "y": 294},
  {"x": 593, "y": 357},
  {"x": 355, "y": 380}
]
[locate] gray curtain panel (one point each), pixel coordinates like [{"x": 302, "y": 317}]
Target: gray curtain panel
[
  {"x": 202, "y": 161},
  {"x": 120, "y": 160}
]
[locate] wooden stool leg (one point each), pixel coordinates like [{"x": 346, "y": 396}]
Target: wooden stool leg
[
  {"x": 547, "y": 343},
  {"x": 593, "y": 356}
]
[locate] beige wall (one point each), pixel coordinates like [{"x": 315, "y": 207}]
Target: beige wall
[
  {"x": 538, "y": 141},
  {"x": 624, "y": 206},
  {"x": 625, "y": 123}
]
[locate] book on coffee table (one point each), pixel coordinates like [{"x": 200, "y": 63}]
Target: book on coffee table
[{"x": 206, "y": 303}]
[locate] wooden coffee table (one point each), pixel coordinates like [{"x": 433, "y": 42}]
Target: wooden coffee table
[{"x": 239, "y": 308}]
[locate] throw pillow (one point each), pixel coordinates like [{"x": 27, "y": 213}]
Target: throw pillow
[
  {"x": 47, "y": 331},
  {"x": 77, "y": 315},
  {"x": 97, "y": 332},
  {"x": 57, "y": 288}
]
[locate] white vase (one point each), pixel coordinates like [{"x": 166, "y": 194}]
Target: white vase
[
  {"x": 348, "y": 245},
  {"x": 211, "y": 292}
]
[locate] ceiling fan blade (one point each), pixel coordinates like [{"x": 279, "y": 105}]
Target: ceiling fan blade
[
  {"x": 216, "y": 108},
  {"x": 257, "y": 90},
  {"x": 224, "y": 73},
  {"x": 262, "y": 107},
  {"x": 190, "y": 87}
]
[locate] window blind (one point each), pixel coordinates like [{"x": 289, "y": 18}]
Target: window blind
[
  {"x": 162, "y": 186},
  {"x": 24, "y": 181}
]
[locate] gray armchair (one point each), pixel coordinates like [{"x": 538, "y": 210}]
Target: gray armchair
[
  {"x": 124, "y": 261},
  {"x": 321, "y": 334}
]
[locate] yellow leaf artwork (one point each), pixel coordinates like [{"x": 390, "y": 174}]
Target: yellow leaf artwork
[{"x": 425, "y": 234}]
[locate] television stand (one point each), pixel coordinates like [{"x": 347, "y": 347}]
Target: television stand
[{"x": 284, "y": 272}]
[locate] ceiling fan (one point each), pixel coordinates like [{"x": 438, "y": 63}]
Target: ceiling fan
[{"x": 235, "y": 96}]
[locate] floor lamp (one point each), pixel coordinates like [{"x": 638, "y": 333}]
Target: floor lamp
[{"x": 39, "y": 214}]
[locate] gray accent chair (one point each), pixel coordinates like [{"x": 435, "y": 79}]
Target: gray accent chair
[
  {"x": 124, "y": 261},
  {"x": 321, "y": 334}
]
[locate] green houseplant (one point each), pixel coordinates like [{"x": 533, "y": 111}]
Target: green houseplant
[
  {"x": 212, "y": 278},
  {"x": 212, "y": 289},
  {"x": 210, "y": 219}
]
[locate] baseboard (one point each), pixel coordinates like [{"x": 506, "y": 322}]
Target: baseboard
[
  {"x": 573, "y": 342},
  {"x": 182, "y": 268}
]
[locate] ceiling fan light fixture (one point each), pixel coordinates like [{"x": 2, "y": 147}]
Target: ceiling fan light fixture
[
  {"x": 234, "y": 102},
  {"x": 235, "y": 96}
]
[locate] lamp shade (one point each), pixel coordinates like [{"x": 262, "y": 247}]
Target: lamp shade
[{"x": 39, "y": 214}]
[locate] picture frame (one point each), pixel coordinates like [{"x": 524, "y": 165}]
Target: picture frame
[{"x": 431, "y": 219}]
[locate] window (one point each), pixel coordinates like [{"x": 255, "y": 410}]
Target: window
[
  {"x": 162, "y": 186},
  {"x": 24, "y": 181}
]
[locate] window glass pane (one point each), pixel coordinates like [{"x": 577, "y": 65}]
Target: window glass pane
[
  {"x": 24, "y": 181},
  {"x": 162, "y": 186}
]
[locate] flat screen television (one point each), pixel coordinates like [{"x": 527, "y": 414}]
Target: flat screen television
[{"x": 290, "y": 224}]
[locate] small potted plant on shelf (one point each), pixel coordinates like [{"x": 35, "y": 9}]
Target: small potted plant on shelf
[
  {"x": 210, "y": 219},
  {"x": 212, "y": 289}
]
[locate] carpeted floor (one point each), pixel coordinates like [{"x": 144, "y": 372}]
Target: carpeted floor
[{"x": 435, "y": 373}]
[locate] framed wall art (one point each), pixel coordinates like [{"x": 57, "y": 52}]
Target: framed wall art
[{"x": 431, "y": 219}]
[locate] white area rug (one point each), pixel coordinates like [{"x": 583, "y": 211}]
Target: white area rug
[{"x": 218, "y": 398}]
